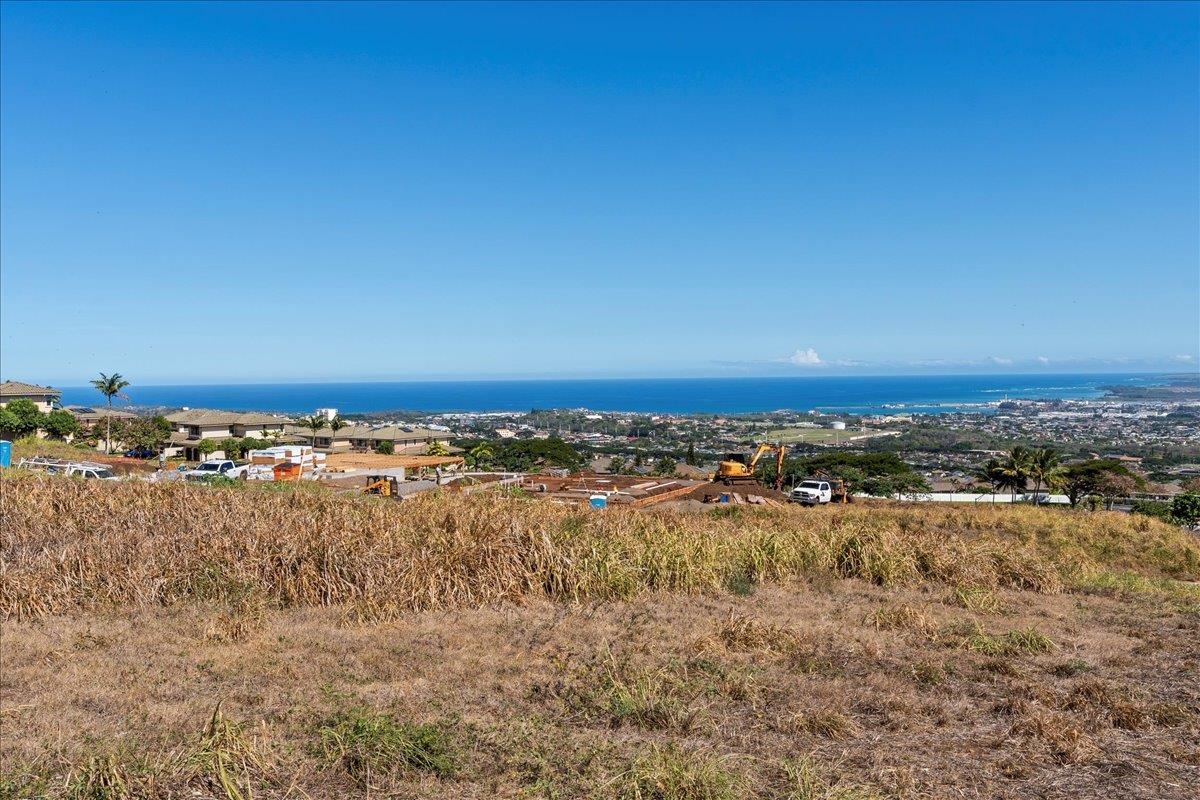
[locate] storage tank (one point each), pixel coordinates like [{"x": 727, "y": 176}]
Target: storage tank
[{"x": 838, "y": 425}]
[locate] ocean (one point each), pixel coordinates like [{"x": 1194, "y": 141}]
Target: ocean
[{"x": 924, "y": 394}]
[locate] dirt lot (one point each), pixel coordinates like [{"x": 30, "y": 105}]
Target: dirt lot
[
  {"x": 341, "y": 461},
  {"x": 187, "y": 641},
  {"x": 845, "y": 688}
]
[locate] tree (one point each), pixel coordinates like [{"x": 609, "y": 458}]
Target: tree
[
  {"x": 480, "y": 456},
  {"x": 1185, "y": 508},
  {"x": 110, "y": 386},
  {"x": 233, "y": 447},
  {"x": 385, "y": 448},
  {"x": 664, "y": 466},
  {"x": 617, "y": 465},
  {"x": 436, "y": 448},
  {"x": 691, "y": 454},
  {"x": 9, "y": 422},
  {"x": 207, "y": 447},
  {"x": 335, "y": 425},
  {"x": 1045, "y": 468},
  {"x": 61, "y": 424},
  {"x": 315, "y": 423},
  {"x": 992, "y": 474},
  {"x": 22, "y": 418},
  {"x": 148, "y": 432},
  {"x": 1014, "y": 470},
  {"x": 1088, "y": 477}
]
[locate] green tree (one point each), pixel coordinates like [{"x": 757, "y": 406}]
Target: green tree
[
  {"x": 664, "y": 466},
  {"x": 691, "y": 454},
  {"x": 1185, "y": 508},
  {"x": 110, "y": 386},
  {"x": 436, "y": 448},
  {"x": 335, "y": 425},
  {"x": 22, "y": 418},
  {"x": 207, "y": 447},
  {"x": 481, "y": 456},
  {"x": 385, "y": 448},
  {"x": 1091, "y": 477},
  {"x": 315, "y": 424},
  {"x": 61, "y": 424},
  {"x": 617, "y": 465},
  {"x": 991, "y": 474},
  {"x": 151, "y": 432},
  {"x": 233, "y": 447},
  {"x": 1045, "y": 468},
  {"x": 1014, "y": 469}
]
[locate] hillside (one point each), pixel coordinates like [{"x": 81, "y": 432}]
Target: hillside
[{"x": 182, "y": 641}]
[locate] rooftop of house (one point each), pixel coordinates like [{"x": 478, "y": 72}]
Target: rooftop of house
[
  {"x": 19, "y": 389},
  {"x": 379, "y": 433},
  {"x": 87, "y": 412},
  {"x": 209, "y": 417}
]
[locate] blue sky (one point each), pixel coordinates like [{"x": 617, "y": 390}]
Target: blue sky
[{"x": 263, "y": 192}]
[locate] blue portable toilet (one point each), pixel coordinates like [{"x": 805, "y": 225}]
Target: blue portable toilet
[
  {"x": 598, "y": 501},
  {"x": 5, "y": 453}
]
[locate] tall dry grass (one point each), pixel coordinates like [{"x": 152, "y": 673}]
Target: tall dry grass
[{"x": 70, "y": 544}]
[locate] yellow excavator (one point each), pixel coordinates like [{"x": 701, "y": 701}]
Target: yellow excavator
[{"x": 735, "y": 471}]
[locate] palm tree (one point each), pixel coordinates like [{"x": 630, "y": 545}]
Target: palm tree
[
  {"x": 1045, "y": 468},
  {"x": 991, "y": 473},
  {"x": 110, "y": 386},
  {"x": 314, "y": 423},
  {"x": 436, "y": 448},
  {"x": 1015, "y": 469},
  {"x": 335, "y": 425}
]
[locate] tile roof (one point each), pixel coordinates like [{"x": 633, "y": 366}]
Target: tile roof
[
  {"x": 204, "y": 416},
  {"x": 19, "y": 389}
]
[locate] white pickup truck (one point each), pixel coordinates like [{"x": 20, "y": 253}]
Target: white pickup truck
[
  {"x": 217, "y": 467},
  {"x": 62, "y": 466},
  {"x": 96, "y": 471},
  {"x": 811, "y": 493}
]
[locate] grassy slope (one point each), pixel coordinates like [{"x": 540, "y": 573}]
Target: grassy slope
[{"x": 483, "y": 647}]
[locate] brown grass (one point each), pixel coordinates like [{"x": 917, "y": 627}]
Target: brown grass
[
  {"x": 75, "y": 544},
  {"x": 504, "y": 648}
]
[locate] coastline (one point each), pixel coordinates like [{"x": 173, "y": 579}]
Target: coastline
[{"x": 923, "y": 395}]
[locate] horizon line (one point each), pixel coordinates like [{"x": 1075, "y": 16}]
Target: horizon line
[{"x": 528, "y": 379}]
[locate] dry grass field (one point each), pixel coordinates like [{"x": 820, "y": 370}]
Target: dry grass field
[{"x": 185, "y": 641}]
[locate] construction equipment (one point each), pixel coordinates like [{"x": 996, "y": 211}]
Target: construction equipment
[
  {"x": 380, "y": 485},
  {"x": 735, "y": 471}
]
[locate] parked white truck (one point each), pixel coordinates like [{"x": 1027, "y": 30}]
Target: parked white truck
[
  {"x": 811, "y": 493},
  {"x": 75, "y": 469},
  {"x": 217, "y": 467}
]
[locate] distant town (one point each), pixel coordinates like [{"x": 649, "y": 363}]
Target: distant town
[{"x": 1151, "y": 435}]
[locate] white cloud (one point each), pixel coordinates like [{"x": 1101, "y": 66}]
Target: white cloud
[
  {"x": 1000, "y": 360},
  {"x": 1186, "y": 359},
  {"x": 1042, "y": 360},
  {"x": 805, "y": 358}
]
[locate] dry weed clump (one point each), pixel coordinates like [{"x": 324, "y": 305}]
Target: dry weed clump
[
  {"x": 742, "y": 632},
  {"x": 611, "y": 689},
  {"x": 225, "y": 762},
  {"x": 901, "y": 617},
  {"x": 73, "y": 544}
]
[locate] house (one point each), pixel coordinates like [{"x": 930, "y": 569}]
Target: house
[
  {"x": 191, "y": 426},
  {"x": 90, "y": 417},
  {"x": 44, "y": 397},
  {"x": 406, "y": 440}
]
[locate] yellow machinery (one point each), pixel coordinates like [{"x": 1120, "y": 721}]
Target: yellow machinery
[
  {"x": 380, "y": 485},
  {"x": 734, "y": 471}
]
